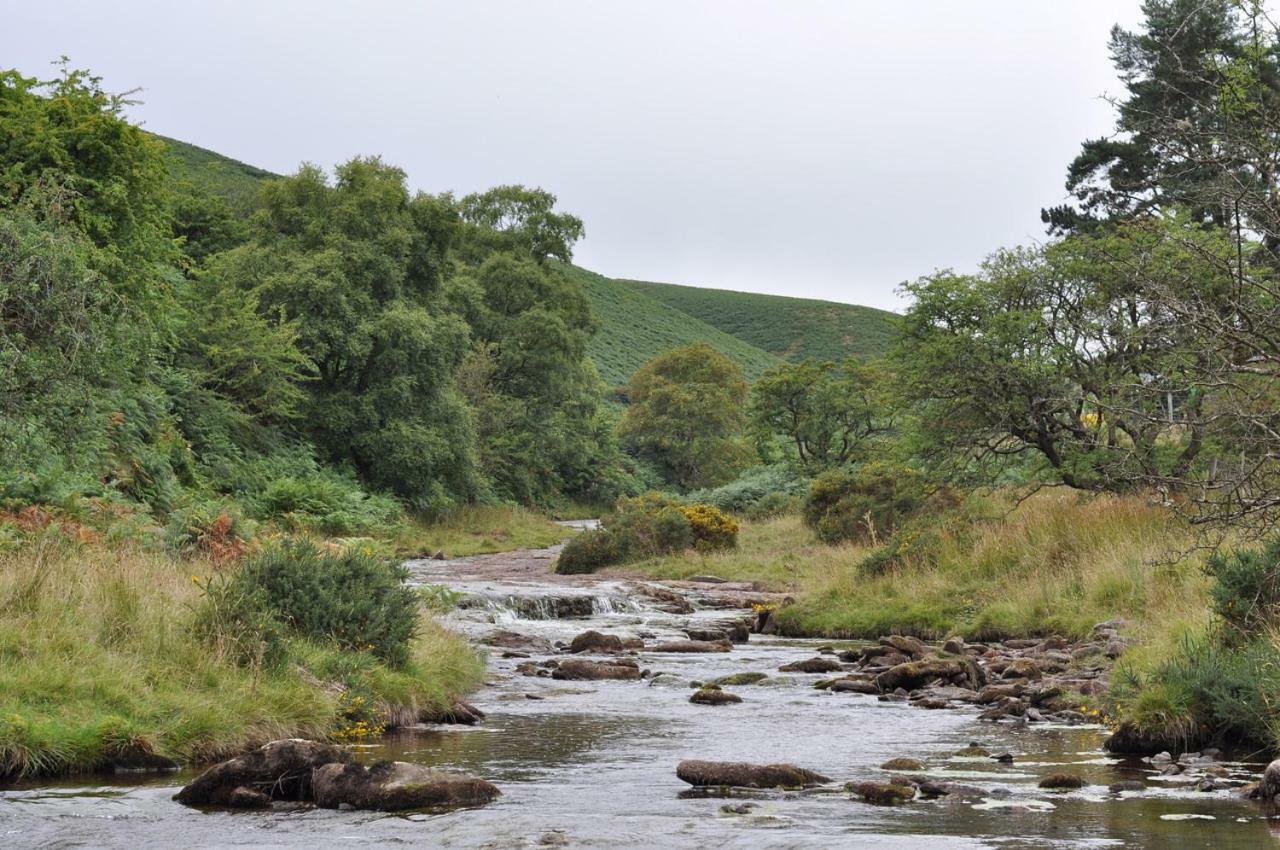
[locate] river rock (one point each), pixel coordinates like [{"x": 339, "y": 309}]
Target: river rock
[
  {"x": 593, "y": 641},
  {"x": 390, "y": 786},
  {"x": 1269, "y": 786},
  {"x": 882, "y": 793},
  {"x": 812, "y": 665},
  {"x": 974, "y": 750},
  {"x": 908, "y": 646},
  {"x": 712, "y": 635},
  {"x": 745, "y": 775},
  {"x": 459, "y": 713},
  {"x": 1128, "y": 739},
  {"x": 954, "y": 645},
  {"x": 281, "y": 770},
  {"x": 913, "y": 674},
  {"x": 1126, "y": 785},
  {"x": 903, "y": 764},
  {"x": 582, "y": 669},
  {"x": 1021, "y": 668},
  {"x": 665, "y": 598},
  {"x": 740, "y": 679},
  {"x": 691, "y": 646},
  {"x": 1061, "y": 781},
  {"x": 504, "y": 639},
  {"x": 713, "y": 695},
  {"x": 853, "y": 686}
]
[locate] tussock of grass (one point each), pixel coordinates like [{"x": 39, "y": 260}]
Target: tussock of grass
[
  {"x": 98, "y": 657},
  {"x": 477, "y": 529}
]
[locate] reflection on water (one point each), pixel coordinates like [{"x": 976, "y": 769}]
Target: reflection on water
[{"x": 592, "y": 764}]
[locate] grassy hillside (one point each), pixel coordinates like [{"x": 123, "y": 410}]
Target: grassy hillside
[
  {"x": 791, "y": 328},
  {"x": 635, "y": 328},
  {"x": 236, "y": 181}
]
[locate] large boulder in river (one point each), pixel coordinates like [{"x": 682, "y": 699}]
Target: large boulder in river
[
  {"x": 691, "y": 646},
  {"x": 817, "y": 664},
  {"x": 714, "y": 695},
  {"x": 281, "y": 770},
  {"x": 744, "y": 775},
  {"x": 504, "y": 639},
  {"x": 593, "y": 641},
  {"x": 1269, "y": 787},
  {"x": 580, "y": 668},
  {"x": 914, "y": 674},
  {"x": 391, "y": 786}
]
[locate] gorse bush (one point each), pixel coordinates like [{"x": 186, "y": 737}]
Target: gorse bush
[
  {"x": 648, "y": 526},
  {"x": 712, "y": 529},
  {"x": 865, "y": 505},
  {"x": 354, "y": 598},
  {"x": 1246, "y": 589}
]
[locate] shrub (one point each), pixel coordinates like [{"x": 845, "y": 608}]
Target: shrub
[
  {"x": 353, "y": 597},
  {"x": 711, "y": 528},
  {"x": 326, "y": 503},
  {"x": 588, "y": 552},
  {"x": 648, "y": 526},
  {"x": 237, "y": 619},
  {"x": 759, "y": 492},
  {"x": 864, "y": 505},
  {"x": 1246, "y": 589}
]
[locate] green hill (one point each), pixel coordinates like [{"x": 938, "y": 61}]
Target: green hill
[
  {"x": 236, "y": 181},
  {"x": 635, "y": 328},
  {"x": 791, "y": 328}
]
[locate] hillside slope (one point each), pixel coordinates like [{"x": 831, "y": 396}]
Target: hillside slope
[
  {"x": 236, "y": 181},
  {"x": 635, "y": 328},
  {"x": 790, "y": 328}
]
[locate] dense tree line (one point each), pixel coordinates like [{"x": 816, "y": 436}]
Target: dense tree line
[{"x": 159, "y": 341}]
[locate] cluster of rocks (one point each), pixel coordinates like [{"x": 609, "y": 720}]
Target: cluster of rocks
[
  {"x": 300, "y": 771},
  {"x": 1030, "y": 680},
  {"x": 903, "y": 783}
]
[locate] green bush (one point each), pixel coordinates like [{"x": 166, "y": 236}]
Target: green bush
[
  {"x": 588, "y": 552},
  {"x": 353, "y": 597},
  {"x": 1246, "y": 589},
  {"x": 759, "y": 492},
  {"x": 865, "y": 505},
  {"x": 648, "y": 526}
]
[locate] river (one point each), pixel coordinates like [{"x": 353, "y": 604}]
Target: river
[{"x": 592, "y": 764}]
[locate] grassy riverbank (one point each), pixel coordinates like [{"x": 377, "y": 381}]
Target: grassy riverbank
[
  {"x": 99, "y": 658},
  {"x": 479, "y": 529},
  {"x": 1059, "y": 563}
]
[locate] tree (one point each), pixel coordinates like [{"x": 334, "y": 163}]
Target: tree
[
  {"x": 826, "y": 411},
  {"x": 1165, "y": 152},
  {"x": 1071, "y": 354},
  {"x": 357, "y": 266},
  {"x": 520, "y": 220},
  {"x": 686, "y": 416}
]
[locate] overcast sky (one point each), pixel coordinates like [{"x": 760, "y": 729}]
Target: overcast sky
[{"x": 824, "y": 149}]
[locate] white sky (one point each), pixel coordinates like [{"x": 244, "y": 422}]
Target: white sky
[{"x": 824, "y": 149}]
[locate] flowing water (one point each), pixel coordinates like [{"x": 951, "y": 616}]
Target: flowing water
[{"x": 592, "y": 764}]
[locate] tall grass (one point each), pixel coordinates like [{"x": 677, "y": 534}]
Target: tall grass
[
  {"x": 98, "y": 658},
  {"x": 1059, "y": 563}
]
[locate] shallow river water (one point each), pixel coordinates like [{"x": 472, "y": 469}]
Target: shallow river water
[{"x": 592, "y": 764}]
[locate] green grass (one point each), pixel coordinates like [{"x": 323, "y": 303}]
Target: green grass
[
  {"x": 1058, "y": 564},
  {"x": 98, "y": 656},
  {"x": 635, "y": 328},
  {"x": 477, "y": 529},
  {"x": 236, "y": 181},
  {"x": 791, "y": 328}
]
